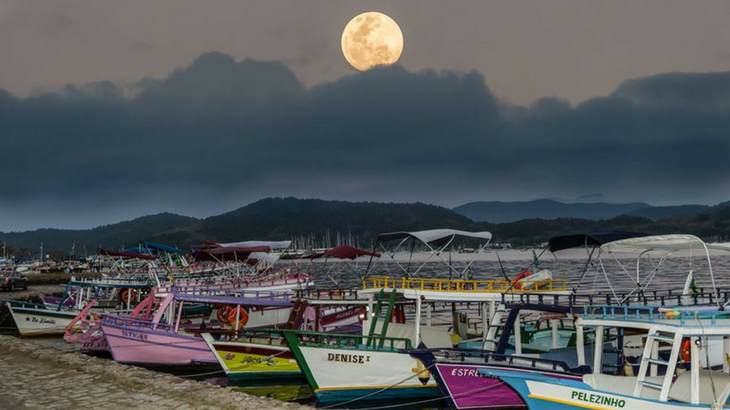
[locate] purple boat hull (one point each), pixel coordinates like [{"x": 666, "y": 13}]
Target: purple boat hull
[{"x": 465, "y": 388}]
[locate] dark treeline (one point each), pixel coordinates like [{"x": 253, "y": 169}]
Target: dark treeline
[{"x": 288, "y": 218}]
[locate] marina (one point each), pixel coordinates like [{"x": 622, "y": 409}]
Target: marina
[{"x": 447, "y": 330}]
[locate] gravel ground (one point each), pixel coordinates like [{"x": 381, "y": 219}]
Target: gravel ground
[{"x": 38, "y": 376}]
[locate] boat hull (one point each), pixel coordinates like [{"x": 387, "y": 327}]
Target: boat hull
[
  {"x": 32, "y": 321},
  {"x": 551, "y": 394},
  {"x": 136, "y": 345},
  {"x": 465, "y": 388},
  {"x": 347, "y": 374},
  {"x": 253, "y": 362}
]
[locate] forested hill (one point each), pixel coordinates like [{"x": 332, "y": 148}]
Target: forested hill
[
  {"x": 285, "y": 218},
  {"x": 267, "y": 219}
]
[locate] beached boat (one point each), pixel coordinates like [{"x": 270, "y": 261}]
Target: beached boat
[
  {"x": 47, "y": 319},
  {"x": 258, "y": 357},
  {"x": 166, "y": 339}
]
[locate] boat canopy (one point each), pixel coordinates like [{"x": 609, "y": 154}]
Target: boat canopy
[
  {"x": 437, "y": 241},
  {"x": 661, "y": 243},
  {"x": 559, "y": 243},
  {"x": 433, "y": 237},
  {"x": 137, "y": 249},
  {"x": 344, "y": 252},
  {"x": 123, "y": 254},
  {"x": 270, "y": 244},
  {"x": 228, "y": 252},
  {"x": 655, "y": 249},
  {"x": 160, "y": 247}
]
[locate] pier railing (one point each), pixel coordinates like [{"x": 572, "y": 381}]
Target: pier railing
[{"x": 466, "y": 286}]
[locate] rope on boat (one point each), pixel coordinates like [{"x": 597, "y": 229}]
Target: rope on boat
[
  {"x": 468, "y": 393},
  {"x": 709, "y": 366},
  {"x": 378, "y": 391}
]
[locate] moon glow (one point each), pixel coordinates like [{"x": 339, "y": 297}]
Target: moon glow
[{"x": 371, "y": 39}]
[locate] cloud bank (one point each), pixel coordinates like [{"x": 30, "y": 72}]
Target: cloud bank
[{"x": 219, "y": 133}]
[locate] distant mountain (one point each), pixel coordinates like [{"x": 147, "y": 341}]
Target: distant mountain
[
  {"x": 582, "y": 199},
  {"x": 117, "y": 235},
  {"x": 281, "y": 218},
  {"x": 267, "y": 219},
  {"x": 285, "y": 218},
  {"x": 656, "y": 213},
  {"x": 712, "y": 223},
  {"x": 498, "y": 212}
]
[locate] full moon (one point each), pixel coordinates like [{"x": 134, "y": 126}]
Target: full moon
[{"x": 372, "y": 39}]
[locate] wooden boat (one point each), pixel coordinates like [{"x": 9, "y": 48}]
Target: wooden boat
[
  {"x": 166, "y": 340},
  {"x": 110, "y": 294},
  {"x": 456, "y": 371},
  {"x": 386, "y": 371},
  {"x": 262, "y": 356},
  {"x": 661, "y": 383}
]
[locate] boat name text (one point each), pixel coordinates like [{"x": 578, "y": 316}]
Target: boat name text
[
  {"x": 134, "y": 335},
  {"x": 598, "y": 399},
  {"x": 348, "y": 358}
]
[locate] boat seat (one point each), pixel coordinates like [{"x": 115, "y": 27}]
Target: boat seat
[
  {"x": 681, "y": 390},
  {"x": 621, "y": 384}
]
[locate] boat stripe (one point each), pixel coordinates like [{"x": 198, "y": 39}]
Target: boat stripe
[
  {"x": 374, "y": 387},
  {"x": 570, "y": 403}
]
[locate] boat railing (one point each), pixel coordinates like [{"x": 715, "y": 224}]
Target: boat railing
[
  {"x": 343, "y": 340},
  {"x": 331, "y": 294},
  {"x": 31, "y": 305},
  {"x": 649, "y": 314},
  {"x": 258, "y": 336},
  {"x": 138, "y": 283},
  {"x": 476, "y": 356},
  {"x": 465, "y": 286},
  {"x": 645, "y": 298},
  {"x": 227, "y": 292},
  {"x": 134, "y": 323},
  {"x": 222, "y": 283}
]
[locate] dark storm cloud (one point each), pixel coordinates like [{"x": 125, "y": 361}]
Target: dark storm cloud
[{"x": 220, "y": 133}]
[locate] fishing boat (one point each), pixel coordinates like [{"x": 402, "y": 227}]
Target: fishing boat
[
  {"x": 373, "y": 367},
  {"x": 166, "y": 338},
  {"x": 261, "y": 357},
  {"x": 48, "y": 319},
  {"x": 679, "y": 381},
  {"x": 457, "y": 371}
]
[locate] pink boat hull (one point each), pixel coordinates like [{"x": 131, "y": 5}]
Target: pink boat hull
[{"x": 130, "y": 344}]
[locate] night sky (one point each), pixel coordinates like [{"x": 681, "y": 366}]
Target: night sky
[{"x": 113, "y": 110}]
